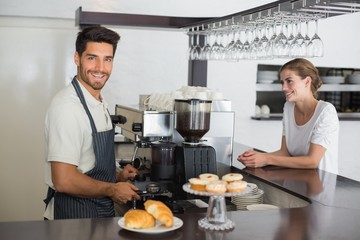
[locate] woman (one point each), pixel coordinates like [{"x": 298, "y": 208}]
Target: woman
[{"x": 310, "y": 126}]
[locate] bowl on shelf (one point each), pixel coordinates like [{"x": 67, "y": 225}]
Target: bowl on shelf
[
  {"x": 266, "y": 81},
  {"x": 333, "y": 79},
  {"x": 268, "y": 75},
  {"x": 353, "y": 78}
]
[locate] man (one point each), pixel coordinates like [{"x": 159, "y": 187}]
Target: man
[{"x": 80, "y": 166}]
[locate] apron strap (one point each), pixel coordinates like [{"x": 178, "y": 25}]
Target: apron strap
[
  {"x": 82, "y": 100},
  {"x": 49, "y": 196}
]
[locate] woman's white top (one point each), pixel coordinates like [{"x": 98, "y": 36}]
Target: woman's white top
[{"x": 322, "y": 129}]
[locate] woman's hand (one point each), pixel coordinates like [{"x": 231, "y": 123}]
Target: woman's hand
[{"x": 253, "y": 159}]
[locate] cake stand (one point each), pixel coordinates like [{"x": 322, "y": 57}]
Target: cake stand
[{"x": 216, "y": 213}]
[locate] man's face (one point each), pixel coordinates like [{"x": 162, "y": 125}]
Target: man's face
[{"x": 95, "y": 65}]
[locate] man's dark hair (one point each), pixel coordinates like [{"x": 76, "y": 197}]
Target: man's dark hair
[{"x": 96, "y": 34}]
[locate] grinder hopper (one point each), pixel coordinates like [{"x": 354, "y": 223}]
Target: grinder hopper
[{"x": 192, "y": 118}]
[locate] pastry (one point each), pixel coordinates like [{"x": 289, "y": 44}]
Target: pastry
[
  {"x": 197, "y": 184},
  {"x": 136, "y": 218},
  {"x": 230, "y": 177},
  {"x": 208, "y": 177},
  {"x": 236, "y": 186},
  {"x": 217, "y": 186},
  {"x": 160, "y": 211}
]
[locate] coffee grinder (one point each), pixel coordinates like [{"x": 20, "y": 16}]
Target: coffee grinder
[{"x": 193, "y": 157}]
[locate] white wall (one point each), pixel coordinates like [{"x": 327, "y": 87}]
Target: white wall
[
  {"x": 37, "y": 60},
  {"x": 34, "y": 64}
]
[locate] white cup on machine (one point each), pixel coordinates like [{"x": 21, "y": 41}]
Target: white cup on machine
[
  {"x": 215, "y": 95},
  {"x": 202, "y": 95}
]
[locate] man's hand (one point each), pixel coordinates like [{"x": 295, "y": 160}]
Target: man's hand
[
  {"x": 128, "y": 173},
  {"x": 123, "y": 192}
]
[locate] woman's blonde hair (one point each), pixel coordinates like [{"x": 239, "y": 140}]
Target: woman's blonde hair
[{"x": 305, "y": 68}]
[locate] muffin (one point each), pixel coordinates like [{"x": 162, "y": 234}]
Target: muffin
[
  {"x": 216, "y": 186},
  {"x": 236, "y": 186},
  {"x": 208, "y": 177},
  {"x": 230, "y": 177},
  {"x": 197, "y": 184}
]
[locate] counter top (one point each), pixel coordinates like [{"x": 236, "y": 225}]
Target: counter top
[
  {"x": 333, "y": 213},
  {"x": 343, "y": 116}
]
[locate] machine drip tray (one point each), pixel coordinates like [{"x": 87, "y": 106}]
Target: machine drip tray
[
  {"x": 199, "y": 203},
  {"x": 191, "y": 205}
]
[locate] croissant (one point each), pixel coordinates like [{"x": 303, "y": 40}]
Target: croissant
[
  {"x": 160, "y": 211},
  {"x": 136, "y": 218}
]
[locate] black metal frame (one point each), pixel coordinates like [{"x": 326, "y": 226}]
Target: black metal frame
[{"x": 133, "y": 20}]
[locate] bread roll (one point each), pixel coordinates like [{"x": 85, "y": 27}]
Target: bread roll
[
  {"x": 160, "y": 211},
  {"x": 136, "y": 218}
]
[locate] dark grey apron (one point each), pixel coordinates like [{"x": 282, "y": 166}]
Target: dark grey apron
[{"x": 66, "y": 206}]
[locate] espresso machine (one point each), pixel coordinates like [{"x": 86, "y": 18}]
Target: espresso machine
[
  {"x": 151, "y": 133},
  {"x": 169, "y": 147}
]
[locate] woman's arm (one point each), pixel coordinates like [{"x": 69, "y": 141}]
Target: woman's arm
[{"x": 282, "y": 158}]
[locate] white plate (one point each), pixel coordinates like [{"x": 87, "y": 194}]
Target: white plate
[
  {"x": 254, "y": 207},
  {"x": 333, "y": 79},
  {"x": 264, "y": 74},
  {"x": 265, "y": 81},
  {"x": 353, "y": 79},
  {"x": 158, "y": 228}
]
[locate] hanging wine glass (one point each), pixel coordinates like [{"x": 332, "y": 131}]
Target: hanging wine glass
[
  {"x": 191, "y": 44},
  {"x": 205, "y": 51},
  {"x": 196, "y": 50},
  {"x": 254, "y": 45},
  {"x": 238, "y": 47},
  {"x": 230, "y": 48},
  {"x": 297, "y": 48},
  {"x": 290, "y": 29},
  {"x": 273, "y": 23},
  {"x": 246, "y": 45},
  {"x": 316, "y": 46},
  {"x": 264, "y": 43},
  {"x": 307, "y": 39},
  {"x": 217, "y": 49},
  {"x": 280, "y": 48}
]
